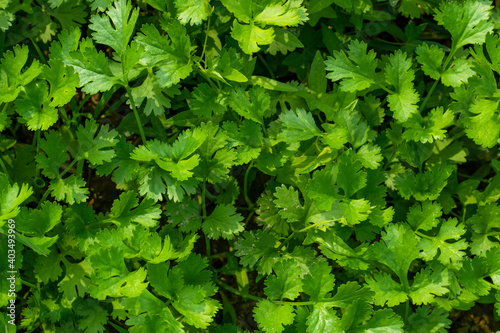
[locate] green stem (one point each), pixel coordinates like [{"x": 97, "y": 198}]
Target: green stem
[
  {"x": 418, "y": 233},
  {"x": 40, "y": 54},
  {"x": 317, "y": 224},
  {"x": 434, "y": 85},
  {"x": 136, "y": 114},
  {"x": 271, "y": 73},
  {"x": 4, "y": 169},
  {"x": 204, "y": 208},
  {"x": 26, "y": 283},
  {"x": 245, "y": 186},
  {"x": 236, "y": 291},
  {"x": 205, "y": 42},
  {"x": 389, "y": 160}
]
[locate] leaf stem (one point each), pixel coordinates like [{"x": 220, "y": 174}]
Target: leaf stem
[
  {"x": 136, "y": 114},
  {"x": 261, "y": 58},
  {"x": 204, "y": 208},
  {"x": 245, "y": 186},
  {"x": 237, "y": 292}
]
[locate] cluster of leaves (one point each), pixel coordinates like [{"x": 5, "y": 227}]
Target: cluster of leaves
[{"x": 336, "y": 153}]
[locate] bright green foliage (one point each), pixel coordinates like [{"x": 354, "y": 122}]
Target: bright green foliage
[
  {"x": 318, "y": 166},
  {"x": 399, "y": 74},
  {"x": 356, "y": 69},
  {"x": 223, "y": 222}
]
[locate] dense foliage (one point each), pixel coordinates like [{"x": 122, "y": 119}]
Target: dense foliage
[{"x": 221, "y": 166}]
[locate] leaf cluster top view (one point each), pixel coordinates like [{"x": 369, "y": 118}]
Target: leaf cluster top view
[{"x": 249, "y": 166}]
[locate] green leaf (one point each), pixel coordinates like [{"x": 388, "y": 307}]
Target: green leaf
[
  {"x": 223, "y": 222},
  {"x": 92, "y": 68},
  {"x": 192, "y": 11},
  {"x": 282, "y": 13},
  {"x": 249, "y": 36},
  {"x": 169, "y": 54},
  {"x": 252, "y": 107},
  {"x": 197, "y": 310},
  {"x": 483, "y": 125},
  {"x": 127, "y": 209},
  {"x": 319, "y": 282},
  {"x": 427, "y": 285},
  {"x": 323, "y": 319},
  {"x": 94, "y": 317},
  {"x": 458, "y": 72},
  {"x": 287, "y": 199},
  {"x": 298, "y": 125},
  {"x": 93, "y": 147},
  {"x": 70, "y": 190},
  {"x": 55, "y": 154},
  {"x": 467, "y": 22},
  {"x": 117, "y": 27},
  {"x": 433, "y": 128},
  {"x": 157, "y": 99},
  {"x": 350, "y": 177},
  {"x": 369, "y": 155},
  {"x": 11, "y": 198},
  {"x": 431, "y": 58},
  {"x": 356, "y": 69},
  {"x": 63, "y": 82},
  {"x": 449, "y": 252},
  {"x": 36, "y": 222},
  {"x": 35, "y": 107},
  {"x": 207, "y": 101},
  {"x": 435, "y": 320},
  {"x": 397, "y": 249},
  {"x": 386, "y": 290},
  {"x": 271, "y": 316},
  {"x": 12, "y": 76},
  {"x": 423, "y": 186},
  {"x": 257, "y": 248},
  {"x": 122, "y": 166},
  {"x": 321, "y": 187},
  {"x": 485, "y": 222},
  {"x": 400, "y": 75},
  {"x": 286, "y": 283},
  {"x": 241, "y": 9},
  {"x": 424, "y": 216}
]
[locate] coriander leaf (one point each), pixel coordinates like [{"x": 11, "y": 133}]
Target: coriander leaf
[
  {"x": 116, "y": 28},
  {"x": 400, "y": 75},
  {"x": 319, "y": 282},
  {"x": 122, "y": 166},
  {"x": 247, "y": 139},
  {"x": 427, "y": 285},
  {"x": 321, "y": 187},
  {"x": 252, "y": 107},
  {"x": 241, "y": 9},
  {"x": 192, "y": 11},
  {"x": 196, "y": 308},
  {"x": 184, "y": 214},
  {"x": 271, "y": 316},
  {"x": 357, "y": 70},
  {"x": 467, "y": 22},
  {"x": 397, "y": 249},
  {"x": 369, "y": 155},
  {"x": 250, "y": 36},
  {"x": 349, "y": 292},
  {"x": 431, "y": 58},
  {"x": 350, "y": 178},
  {"x": 286, "y": 283},
  {"x": 298, "y": 125},
  {"x": 386, "y": 290},
  {"x": 433, "y": 128},
  {"x": 48, "y": 268},
  {"x": 483, "y": 125},
  {"x": 458, "y": 72},
  {"x": 423, "y": 186},
  {"x": 424, "y": 216},
  {"x": 485, "y": 222},
  {"x": 282, "y": 13},
  {"x": 127, "y": 209},
  {"x": 287, "y": 199},
  {"x": 350, "y": 120},
  {"x": 157, "y": 99},
  {"x": 63, "y": 82},
  {"x": 37, "y": 222},
  {"x": 323, "y": 319},
  {"x": 257, "y": 248},
  {"x": 70, "y": 190},
  {"x": 425, "y": 319},
  {"x": 223, "y": 222},
  {"x": 207, "y": 101},
  {"x": 76, "y": 281},
  {"x": 92, "y": 146},
  {"x": 169, "y": 54},
  {"x": 12, "y": 76},
  {"x": 472, "y": 275},
  {"x": 55, "y": 155},
  {"x": 366, "y": 320},
  {"x": 124, "y": 285},
  {"x": 11, "y": 198},
  {"x": 94, "y": 317},
  {"x": 355, "y": 211},
  {"x": 34, "y": 107},
  {"x": 449, "y": 252},
  {"x": 92, "y": 68}
]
